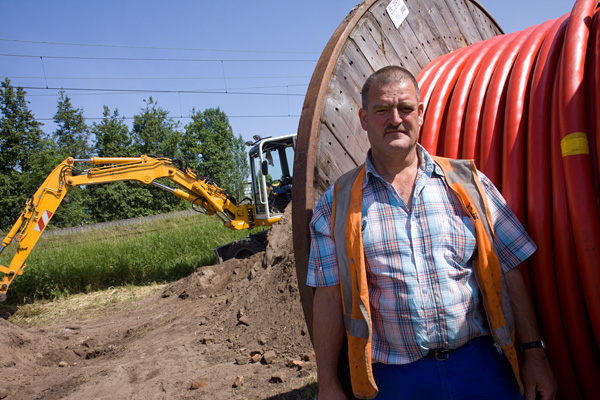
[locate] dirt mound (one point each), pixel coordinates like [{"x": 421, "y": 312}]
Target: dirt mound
[{"x": 229, "y": 331}]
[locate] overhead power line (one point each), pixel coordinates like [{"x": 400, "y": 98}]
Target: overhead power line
[
  {"x": 219, "y": 91},
  {"x": 159, "y": 48},
  {"x": 188, "y": 117},
  {"x": 156, "y": 59},
  {"x": 156, "y": 78}
]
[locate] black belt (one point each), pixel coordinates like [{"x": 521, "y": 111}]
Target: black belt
[
  {"x": 440, "y": 354},
  {"x": 444, "y": 354}
]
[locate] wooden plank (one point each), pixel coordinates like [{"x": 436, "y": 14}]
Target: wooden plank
[
  {"x": 426, "y": 29},
  {"x": 465, "y": 25},
  {"x": 404, "y": 39},
  {"x": 341, "y": 118},
  {"x": 396, "y": 47},
  {"x": 340, "y": 114},
  {"x": 373, "y": 43},
  {"x": 331, "y": 162},
  {"x": 353, "y": 67},
  {"x": 392, "y": 42},
  {"x": 487, "y": 28},
  {"x": 444, "y": 23},
  {"x": 422, "y": 25}
]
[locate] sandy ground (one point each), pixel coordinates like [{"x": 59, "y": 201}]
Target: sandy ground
[{"x": 230, "y": 331}]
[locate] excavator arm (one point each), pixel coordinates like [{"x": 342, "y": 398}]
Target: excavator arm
[{"x": 145, "y": 169}]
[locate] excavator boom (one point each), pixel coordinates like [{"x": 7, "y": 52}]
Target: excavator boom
[{"x": 40, "y": 208}]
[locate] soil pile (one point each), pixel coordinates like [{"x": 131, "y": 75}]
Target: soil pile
[{"x": 229, "y": 331}]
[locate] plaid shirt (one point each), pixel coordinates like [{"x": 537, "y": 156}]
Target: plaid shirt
[{"x": 422, "y": 287}]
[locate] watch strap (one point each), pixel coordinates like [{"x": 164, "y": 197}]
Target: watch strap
[{"x": 533, "y": 345}]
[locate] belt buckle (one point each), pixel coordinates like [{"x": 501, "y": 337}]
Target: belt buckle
[{"x": 442, "y": 354}]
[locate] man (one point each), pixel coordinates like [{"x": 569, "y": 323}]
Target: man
[{"x": 415, "y": 281}]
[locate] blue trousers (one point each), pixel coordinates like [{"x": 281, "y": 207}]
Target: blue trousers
[{"x": 475, "y": 371}]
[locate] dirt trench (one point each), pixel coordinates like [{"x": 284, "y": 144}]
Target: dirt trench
[{"x": 229, "y": 331}]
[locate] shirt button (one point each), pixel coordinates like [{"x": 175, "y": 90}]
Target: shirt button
[{"x": 425, "y": 291}]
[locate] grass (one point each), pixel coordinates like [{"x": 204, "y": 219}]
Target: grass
[
  {"x": 156, "y": 251},
  {"x": 84, "y": 306}
]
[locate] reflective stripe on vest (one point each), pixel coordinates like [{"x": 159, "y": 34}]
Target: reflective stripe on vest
[
  {"x": 353, "y": 277},
  {"x": 461, "y": 177}
]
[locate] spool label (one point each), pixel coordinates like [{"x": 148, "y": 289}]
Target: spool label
[
  {"x": 398, "y": 11},
  {"x": 574, "y": 144}
]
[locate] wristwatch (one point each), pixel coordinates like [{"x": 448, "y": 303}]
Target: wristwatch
[{"x": 533, "y": 345}]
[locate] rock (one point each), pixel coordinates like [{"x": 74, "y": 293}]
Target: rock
[
  {"x": 309, "y": 357},
  {"x": 244, "y": 320},
  {"x": 279, "y": 377},
  {"x": 197, "y": 385},
  {"x": 241, "y": 360},
  {"x": 183, "y": 295},
  {"x": 308, "y": 366},
  {"x": 63, "y": 364},
  {"x": 303, "y": 373},
  {"x": 239, "y": 381},
  {"x": 269, "y": 357},
  {"x": 255, "y": 358},
  {"x": 207, "y": 340}
]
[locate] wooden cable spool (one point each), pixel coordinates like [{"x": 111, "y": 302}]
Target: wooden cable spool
[{"x": 330, "y": 139}]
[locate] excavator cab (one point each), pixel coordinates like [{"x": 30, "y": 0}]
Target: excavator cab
[{"x": 271, "y": 164}]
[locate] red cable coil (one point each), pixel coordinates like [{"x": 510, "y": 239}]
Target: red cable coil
[{"x": 509, "y": 103}]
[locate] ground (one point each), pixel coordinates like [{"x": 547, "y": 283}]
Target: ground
[{"x": 229, "y": 331}]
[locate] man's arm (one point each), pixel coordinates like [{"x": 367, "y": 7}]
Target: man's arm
[
  {"x": 328, "y": 332},
  {"x": 536, "y": 373}
]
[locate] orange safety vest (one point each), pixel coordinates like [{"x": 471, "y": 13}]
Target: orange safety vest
[{"x": 461, "y": 177}]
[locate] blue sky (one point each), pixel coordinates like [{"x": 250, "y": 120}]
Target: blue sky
[{"x": 258, "y": 55}]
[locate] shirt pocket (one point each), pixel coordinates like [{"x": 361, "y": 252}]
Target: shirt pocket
[{"x": 452, "y": 235}]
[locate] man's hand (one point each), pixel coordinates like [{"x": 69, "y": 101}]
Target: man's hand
[
  {"x": 329, "y": 333},
  {"x": 537, "y": 375}
]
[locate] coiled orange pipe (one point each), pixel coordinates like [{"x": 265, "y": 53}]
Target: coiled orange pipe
[{"x": 526, "y": 107}]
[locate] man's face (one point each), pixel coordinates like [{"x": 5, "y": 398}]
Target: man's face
[{"x": 392, "y": 119}]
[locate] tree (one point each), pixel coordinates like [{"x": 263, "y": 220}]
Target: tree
[
  {"x": 20, "y": 133},
  {"x": 71, "y": 139},
  {"x": 72, "y": 135},
  {"x": 241, "y": 172},
  {"x": 112, "y": 138},
  {"x": 21, "y": 140},
  {"x": 211, "y": 148},
  {"x": 154, "y": 132},
  {"x": 118, "y": 200}
]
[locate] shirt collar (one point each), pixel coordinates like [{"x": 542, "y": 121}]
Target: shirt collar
[{"x": 427, "y": 166}]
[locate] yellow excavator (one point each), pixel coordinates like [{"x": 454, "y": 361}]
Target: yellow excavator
[{"x": 269, "y": 157}]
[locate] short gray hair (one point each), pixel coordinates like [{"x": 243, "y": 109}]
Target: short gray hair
[{"x": 385, "y": 75}]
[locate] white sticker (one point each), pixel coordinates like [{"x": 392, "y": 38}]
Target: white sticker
[{"x": 398, "y": 11}]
